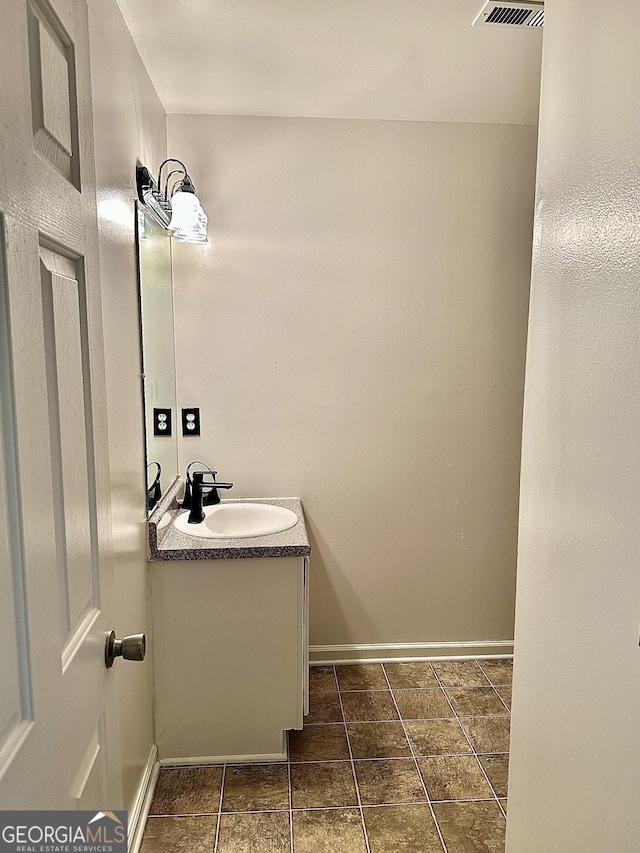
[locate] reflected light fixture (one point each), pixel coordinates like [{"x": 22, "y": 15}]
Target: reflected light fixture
[{"x": 176, "y": 207}]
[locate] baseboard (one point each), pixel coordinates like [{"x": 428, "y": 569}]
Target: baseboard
[
  {"x": 224, "y": 759},
  {"x": 142, "y": 803},
  {"x": 388, "y": 652}
]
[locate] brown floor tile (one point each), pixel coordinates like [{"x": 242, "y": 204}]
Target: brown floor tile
[
  {"x": 319, "y": 743},
  {"x": 454, "y": 777},
  {"x": 503, "y": 803},
  {"x": 408, "y": 675},
  {"x": 328, "y": 783},
  {"x": 487, "y": 734},
  {"x": 368, "y": 676},
  {"x": 475, "y": 701},
  {"x": 460, "y": 673},
  {"x": 422, "y": 704},
  {"x": 393, "y": 781},
  {"x": 266, "y": 832},
  {"x": 401, "y": 829},
  {"x": 498, "y": 671},
  {"x": 368, "y": 705},
  {"x": 324, "y": 708},
  {"x": 505, "y": 694},
  {"x": 378, "y": 740},
  {"x": 322, "y": 679},
  {"x": 334, "y": 831},
  {"x": 255, "y": 787},
  {"x": 471, "y": 827},
  {"x": 179, "y": 835},
  {"x": 187, "y": 790},
  {"x": 497, "y": 769},
  {"x": 437, "y": 737}
]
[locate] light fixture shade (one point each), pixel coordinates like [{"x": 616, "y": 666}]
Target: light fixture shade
[
  {"x": 188, "y": 219},
  {"x": 194, "y": 234}
]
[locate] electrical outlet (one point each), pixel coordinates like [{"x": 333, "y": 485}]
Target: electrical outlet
[
  {"x": 191, "y": 421},
  {"x": 162, "y": 422}
]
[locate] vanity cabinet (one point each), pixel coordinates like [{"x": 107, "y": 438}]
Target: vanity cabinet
[{"x": 230, "y": 642}]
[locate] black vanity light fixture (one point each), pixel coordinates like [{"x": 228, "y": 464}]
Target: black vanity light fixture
[{"x": 176, "y": 206}]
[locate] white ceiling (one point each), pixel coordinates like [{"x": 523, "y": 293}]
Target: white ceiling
[{"x": 387, "y": 59}]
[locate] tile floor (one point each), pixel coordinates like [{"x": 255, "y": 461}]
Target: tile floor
[{"x": 407, "y": 757}]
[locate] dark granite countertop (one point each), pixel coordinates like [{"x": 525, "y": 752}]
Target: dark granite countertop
[{"x": 167, "y": 543}]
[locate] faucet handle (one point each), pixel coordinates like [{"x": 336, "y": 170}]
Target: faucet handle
[{"x": 211, "y": 498}]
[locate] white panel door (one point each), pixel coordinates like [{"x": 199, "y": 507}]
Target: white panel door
[{"x": 59, "y": 743}]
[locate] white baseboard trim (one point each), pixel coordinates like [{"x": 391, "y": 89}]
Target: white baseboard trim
[
  {"x": 142, "y": 803},
  {"x": 224, "y": 759},
  {"x": 388, "y": 652}
]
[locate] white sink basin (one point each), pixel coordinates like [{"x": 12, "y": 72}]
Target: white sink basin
[{"x": 238, "y": 521}]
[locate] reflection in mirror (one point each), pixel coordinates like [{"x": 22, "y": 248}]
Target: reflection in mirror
[{"x": 158, "y": 354}]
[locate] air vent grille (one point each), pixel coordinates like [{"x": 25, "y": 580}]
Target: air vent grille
[
  {"x": 537, "y": 20},
  {"x": 511, "y": 14},
  {"x": 507, "y": 15}
]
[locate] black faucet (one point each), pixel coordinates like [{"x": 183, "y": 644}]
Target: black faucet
[
  {"x": 186, "y": 500},
  {"x": 196, "y": 515}
]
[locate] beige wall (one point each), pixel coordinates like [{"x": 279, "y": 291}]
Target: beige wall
[
  {"x": 129, "y": 125},
  {"x": 355, "y": 335},
  {"x": 575, "y": 748}
]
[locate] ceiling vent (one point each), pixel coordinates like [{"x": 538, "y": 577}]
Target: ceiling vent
[{"x": 522, "y": 15}]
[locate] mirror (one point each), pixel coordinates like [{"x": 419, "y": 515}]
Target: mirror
[{"x": 158, "y": 353}]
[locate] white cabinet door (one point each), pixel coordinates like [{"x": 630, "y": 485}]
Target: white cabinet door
[
  {"x": 58, "y": 734},
  {"x": 230, "y": 658}
]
